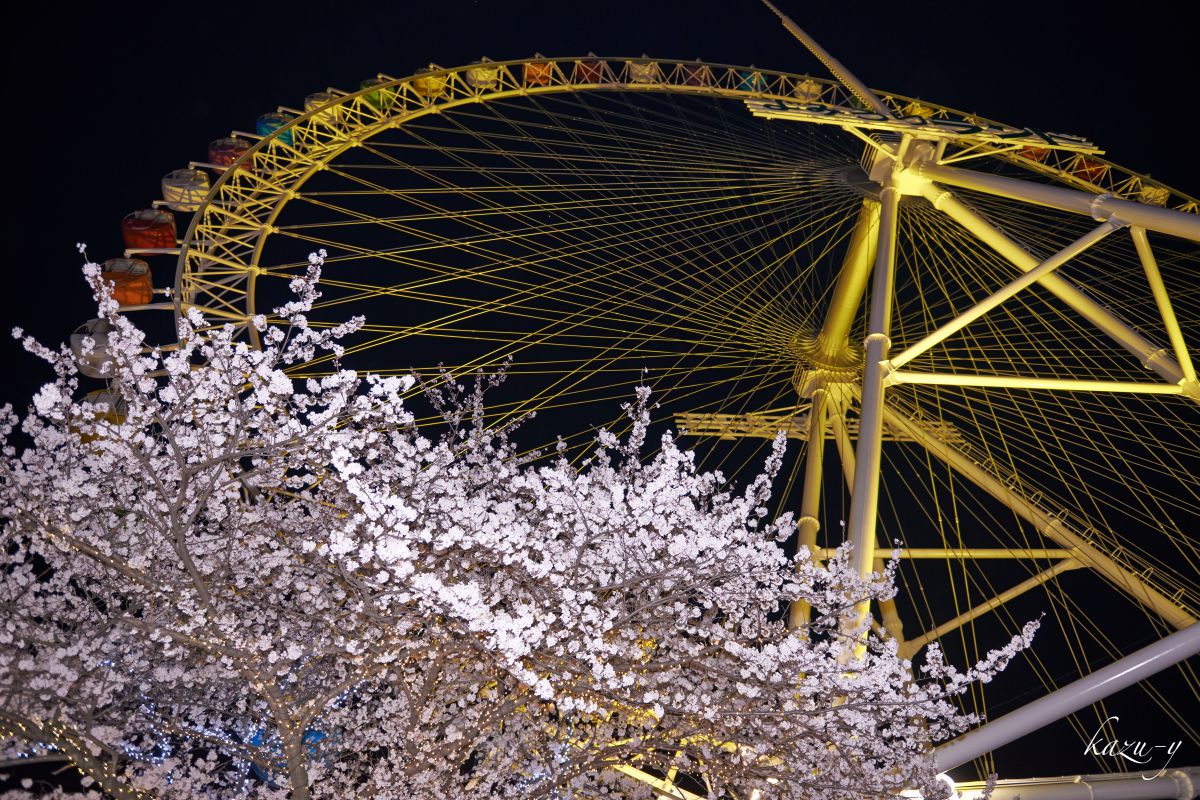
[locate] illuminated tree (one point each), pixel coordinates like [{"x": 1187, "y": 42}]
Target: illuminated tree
[{"x": 218, "y": 582}]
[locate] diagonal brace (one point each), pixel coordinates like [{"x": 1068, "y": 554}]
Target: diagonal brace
[
  {"x": 910, "y": 648},
  {"x": 1148, "y": 352},
  {"x": 996, "y": 298}
]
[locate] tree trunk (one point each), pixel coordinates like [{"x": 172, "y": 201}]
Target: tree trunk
[{"x": 293, "y": 749}]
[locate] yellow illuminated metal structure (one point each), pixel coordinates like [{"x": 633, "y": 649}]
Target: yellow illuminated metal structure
[{"x": 995, "y": 320}]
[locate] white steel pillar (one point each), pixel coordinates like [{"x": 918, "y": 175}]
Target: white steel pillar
[
  {"x": 1166, "y": 784},
  {"x": 864, "y": 501},
  {"x": 1100, "y": 684}
]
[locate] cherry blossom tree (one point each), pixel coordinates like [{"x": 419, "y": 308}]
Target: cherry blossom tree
[{"x": 220, "y": 582}]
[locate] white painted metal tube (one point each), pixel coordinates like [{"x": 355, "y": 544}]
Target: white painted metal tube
[
  {"x": 864, "y": 498},
  {"x": 1097, "y": 206},
  {"x": 1069, "y": 699},
  {"x": 1172, "y": 784}
]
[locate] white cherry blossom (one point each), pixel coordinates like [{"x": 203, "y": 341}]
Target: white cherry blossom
[{"x": 239, "y": 585}]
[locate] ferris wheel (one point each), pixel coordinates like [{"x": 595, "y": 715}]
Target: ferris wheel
[{"x": 976, "y": 334}]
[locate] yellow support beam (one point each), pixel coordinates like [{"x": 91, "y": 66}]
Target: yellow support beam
[
  {"x": 809, "y": 522},
  {"x": 765, "y": 426},
  {"x": 963, "y": 553},
  {"x": 666, "y": 790},
  {"x": 912, "y": 646},
  {"x": 1045, "y": 384},
  {"x": 1163, "y": 300}
]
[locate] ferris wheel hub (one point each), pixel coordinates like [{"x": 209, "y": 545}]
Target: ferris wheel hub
[
  {"x": 819, "y": 367},
  {"x": 900, "y": 166}
]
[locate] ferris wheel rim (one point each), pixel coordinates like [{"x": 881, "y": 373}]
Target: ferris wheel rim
[{"x": 736, "y": 82}]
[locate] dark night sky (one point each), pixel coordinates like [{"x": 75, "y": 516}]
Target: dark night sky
[{"x": 105, "y": 100}]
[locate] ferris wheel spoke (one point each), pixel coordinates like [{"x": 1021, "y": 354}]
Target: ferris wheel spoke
[
  {"x": 493, "y": 278},
  {"x": 695, "y": 312},
  {"x": 493, "y": 232},
  {"x": 738, "y": 222},
  {"x": 667, "y": 128},
  {"x": 607, "y": 124},
  {"x": 1136, "y": 501},
  {"x": 532, "y": 235},
  {"x": 599, "y": 158},
  {"x": 521, "y": 288},
  {"x": 613, "y": 145},
  {"x": 682, "y": 195},
  {"x": 694, "y": 229}
]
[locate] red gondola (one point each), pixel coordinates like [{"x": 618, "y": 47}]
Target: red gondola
[
  {"x": 538, "y": 73},
  {"x": 589, "y": 71},
  {"x": 131, "y": 280},
  {"x": 1089, "y": 169},
  {"x": 148, "y": 229},
  {"x": 695, "y": 75},
  {"x": 225, "y": 152}
]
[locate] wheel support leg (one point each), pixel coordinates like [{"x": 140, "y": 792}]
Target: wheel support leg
[{"x": 864, "y": 501}]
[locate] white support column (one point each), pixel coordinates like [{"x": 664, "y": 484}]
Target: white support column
[
  {"x": 1148, "y": 352},
  {"x": 996, "y": 298},
  {"x": 1047, "y": 523},
  {"x": 1168, "y": 784},
  {"x": 864, "y": 500},
  {"x": 1097, "y": 206},
  {"x": 1070, "y": 698}
]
